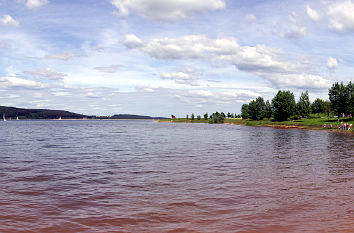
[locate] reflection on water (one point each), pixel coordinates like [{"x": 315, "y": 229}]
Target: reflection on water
[{"x": 141, "y": 176}]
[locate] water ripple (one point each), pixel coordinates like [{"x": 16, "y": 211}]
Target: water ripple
[{"x": 141, "y": 176}]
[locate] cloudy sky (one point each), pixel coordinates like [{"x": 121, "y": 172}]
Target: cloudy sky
[{"x": 162, "y": 57}]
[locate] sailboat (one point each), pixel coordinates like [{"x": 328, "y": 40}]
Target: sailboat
[
  {"x": 3, "y": 117},
  {"x": 59, "y": 118},
  {"x": 17, "y": 118}
]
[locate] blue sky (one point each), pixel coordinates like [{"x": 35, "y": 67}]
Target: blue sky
[{"x": 158, "y": 57}]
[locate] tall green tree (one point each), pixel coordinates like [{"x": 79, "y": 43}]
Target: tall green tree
[
  {"x": 318, "y": 106},
  {"x": 244, "y": 111},
  {"x": 192, "y": 116},
  {"x": 268, "y": 110},
  {"x": 350, "y": 104},
  {"x": 256, "y": 109},
  {"x": 303, "y": 106},
  {"x": 284, "y": 105},
  {"x": 339, "y": 96},
  {"x": 327, "y": 107}
]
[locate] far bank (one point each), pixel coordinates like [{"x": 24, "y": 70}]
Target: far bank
[{"x": 320, "y": 123}]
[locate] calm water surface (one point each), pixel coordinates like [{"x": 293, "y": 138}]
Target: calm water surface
[{"x": 141, "y": 176}]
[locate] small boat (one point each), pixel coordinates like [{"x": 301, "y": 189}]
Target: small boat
[
  {"x": 3, "y": 117},
  {"x": 17, "y": 118},
  {"x": 59, "y": 118}
]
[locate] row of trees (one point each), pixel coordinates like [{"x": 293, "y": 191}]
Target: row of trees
[
  {"x": 283, "y": 105},
  {"x": 214, "y": 118}
]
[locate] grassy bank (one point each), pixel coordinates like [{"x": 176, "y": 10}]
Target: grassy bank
[{"x": 314, "y": 122}]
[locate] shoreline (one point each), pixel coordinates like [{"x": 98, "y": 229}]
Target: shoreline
[{"x": 276, "y": 126}]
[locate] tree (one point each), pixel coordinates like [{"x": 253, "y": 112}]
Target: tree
[
  {"x": 217, "y": 118},
  {"x": 228, "y": 115},
  {"x": 318, "y": 106},
  {"x": 252, "y": 110},
  {"x": 327, "y": 107},
  {"x": 232, "y": 115},
  {"x": 303, "y": 106},
  {"x": 256, "y": 109},
  {"x": 244, "y": 111},
  {"x": 339, "y": 96},
  {"x": 350, "y": 104},
  {"x": 198, "y": 117},
  {"x": 206, "y": 116},
  {"x": 187, "y": 116},
  {"x": 283, "y": 105},
  {"x": 192, "y": 116},
  {"x": 268, "y": 110}
]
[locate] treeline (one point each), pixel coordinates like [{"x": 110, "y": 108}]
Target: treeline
[
  {"x": 214, "y": 118},
  {"x": 283, "y": 106},
  {"x": 22, "y": 113}
]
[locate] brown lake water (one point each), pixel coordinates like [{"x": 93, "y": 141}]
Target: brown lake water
[{"x": 142, "y": 176}]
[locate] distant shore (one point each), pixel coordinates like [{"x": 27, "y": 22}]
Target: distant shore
[{"x": 80, "y": 119}]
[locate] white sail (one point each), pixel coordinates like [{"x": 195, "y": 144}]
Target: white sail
[{"x": 3, "y": 117}]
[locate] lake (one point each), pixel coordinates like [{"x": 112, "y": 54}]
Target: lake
[{"x": 143, "y": 176}]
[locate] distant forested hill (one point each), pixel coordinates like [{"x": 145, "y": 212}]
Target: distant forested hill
[{"x": 22, "y": 113}]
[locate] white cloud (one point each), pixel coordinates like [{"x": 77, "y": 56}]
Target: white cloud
[
  {"x": 313, "y": 14},
  {"x": 200, "y": 93},
  {"x": 62, "y": 56},
  {"x": 341, "y": 17},
  {"x": 203, "y": 97},
  {"x": 8, "y": 20},
  {"x": 32, "y": 4},
  {"x": 295, "y": 32},
  {"x": 175, "y": 75},
  {"x": 193, "y": 46},
  {"x": 237, "y": 95},
  {"x": 250, "y": 18},
  {"x": 132, "y": 41},
  {"x": 298, "y": 80},
  {"x": 108, "y": 69},
  {"x": 332, "y": 63},
  {"x": 46, "y": 73},
  {"x": 269, "y": 63},
  {"x": 11, "y": 81},
  {"x": 163, "y": 10},
  {"x": 182, "y": 77},
  {"x": 3, "y": 45},
  {"x": 297, "y": 28}
]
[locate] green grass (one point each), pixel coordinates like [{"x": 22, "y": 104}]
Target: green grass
[{"x": 313, "y": 122}]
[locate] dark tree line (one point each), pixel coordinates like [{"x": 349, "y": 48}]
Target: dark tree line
[
  {"x": 283, "y": 106},
  {"x": 22, "y": 113}
]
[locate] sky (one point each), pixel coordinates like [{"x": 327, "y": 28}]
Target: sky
[{"x": 163, "y": 57}]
